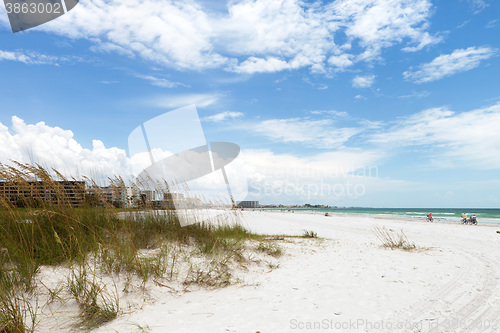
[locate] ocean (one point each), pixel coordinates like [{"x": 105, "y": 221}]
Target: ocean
[{"x": 484, "y": 215}]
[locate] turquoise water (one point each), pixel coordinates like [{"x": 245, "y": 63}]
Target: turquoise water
[{"x": 487, "y": 215}]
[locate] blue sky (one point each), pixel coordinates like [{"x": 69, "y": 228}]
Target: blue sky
[{"x": 384, "y": 103}]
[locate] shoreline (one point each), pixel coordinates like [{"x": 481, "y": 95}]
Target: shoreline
[
  {"x": 495, "y": 222},
  {"x": 344, "y": 277}
]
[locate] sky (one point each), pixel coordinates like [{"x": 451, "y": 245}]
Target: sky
[{"x": 373, "y": 103}]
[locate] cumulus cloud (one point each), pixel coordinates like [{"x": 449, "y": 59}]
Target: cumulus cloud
[
  {"x": 279, "y": 35},
  {"x": 363, "y": 81},
  {"x": 168, "y": 32},
  {"x": 447, "y": 138},
  {"x": 259, "y": 65},
  {"x": 56, "y": 148},
  {"x": 341, "y": 61},
  {"x": 53, "y": 147},
  {"x": 377, "y": 24},
  {"x": 251, "y": 36},
  {"x": 327, "y": 175},
  {"x": 459, "y": 60},
  {"x": 223, "y": 116}
]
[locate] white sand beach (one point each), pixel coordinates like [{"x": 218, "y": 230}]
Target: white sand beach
[{"x": 344, "y": 281}]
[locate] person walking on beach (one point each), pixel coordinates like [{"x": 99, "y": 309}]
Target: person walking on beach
[
  {"x": 464, "y": 218},
  {"x": 429, "y": 217}
]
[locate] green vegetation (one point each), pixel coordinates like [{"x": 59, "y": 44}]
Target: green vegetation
[
  {"x": 97, "y": 241},
  {"x": 270, "y": 248},
  {"x": 96, "y": 304},
  {"x": 393, "y": 240}
]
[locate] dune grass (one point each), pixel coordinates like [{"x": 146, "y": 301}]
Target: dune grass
[
  {"x": 97, "y": 238},
  {"x": 393, "y": 240}
]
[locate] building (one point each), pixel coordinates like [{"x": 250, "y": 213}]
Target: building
[
  {"x": 125, "y": 197},
  {"x": 248, "y": 204},
  {"x": 39, "y": 193},
  {"x": 75, "y": 194}
]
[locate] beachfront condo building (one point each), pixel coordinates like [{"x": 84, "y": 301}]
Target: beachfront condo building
[{"x": 39, "y": 193}]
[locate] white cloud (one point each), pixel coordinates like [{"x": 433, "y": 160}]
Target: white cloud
[
  {"x": 105, "y": 47},
  {"x": 318, "y": 133},
  {"x": 252, "y": 36},
  {"x": 333, "y": 164},
  {"x": 342, "y": 61},
  {"x": 465, "y": 139},
  {"x": 371, "y": 124},
  {"x": 279, "y": 35},
  {"x": 223, "y": 116},
  {"x": 448, "y": 139},
  {"x": 263, "y": 27},
  {"x": 323, "y": 176},
  {"x": 160, "y": 82},
  {"x": 329, "y": 178},
  {"x": 167, "y": 32},
  {"x": 463, "y": 24},
  {"x": 176, "y": 101},
  {"x": 350, "y": 178},
  {"x": 365, "y": 81},
  {"x": 259, "y": 65},
  {"x": 53, "y": 147},
  {"x": 378, "y": 24},
  {"x": 478, "y": 5},
  {"x": 317, "y": 85},
  {"x": 338, "y": 114},
  {"x": 417, "y": 94},
  {"x": 491, "y": 24},
  {"x": 460, "y": 60},
  {"x": 30, "y": 58}
]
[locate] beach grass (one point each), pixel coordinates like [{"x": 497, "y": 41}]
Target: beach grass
[
  {"x": 270, "y": 248},
  {"x": 96, "y": 240},
  {"x": 393, "y": 240}
]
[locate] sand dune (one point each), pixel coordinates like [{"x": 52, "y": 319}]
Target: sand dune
[{"x": 346, "y": 281}]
